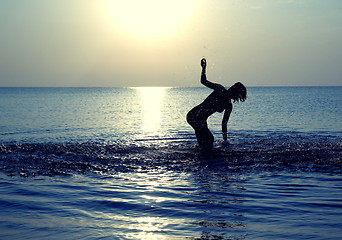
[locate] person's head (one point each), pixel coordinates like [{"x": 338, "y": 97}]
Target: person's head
[{"x": 238, "y": 92}]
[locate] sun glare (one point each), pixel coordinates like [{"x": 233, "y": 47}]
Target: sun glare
[
  {"x": 151, "y": 102},
  {"x": 150, "y": 18}
]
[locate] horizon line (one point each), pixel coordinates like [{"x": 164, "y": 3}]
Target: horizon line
[{"x": 162, "y": 86}]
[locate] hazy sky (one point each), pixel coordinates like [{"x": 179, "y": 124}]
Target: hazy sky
[{"x": 160, "y": 42}]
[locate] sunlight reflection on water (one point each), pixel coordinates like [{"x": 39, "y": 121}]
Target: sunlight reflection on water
[
  {"x": 161, "y": 204},
  {"x": 151, "y": 99},
  {"x": 153, "y": 193}
]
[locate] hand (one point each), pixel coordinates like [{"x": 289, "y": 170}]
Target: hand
[{"x": 204, "y": 63}]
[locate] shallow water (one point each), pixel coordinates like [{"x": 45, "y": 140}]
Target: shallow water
[
  {"x": 111, "y": 114},
  {"x": 173, "y": 205},
  {"x": 84, "y": 164}
]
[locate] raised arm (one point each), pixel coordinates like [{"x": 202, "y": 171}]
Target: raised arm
[
  {"x": 225, "y": 119},
  {"x": 204, "y": 80}
]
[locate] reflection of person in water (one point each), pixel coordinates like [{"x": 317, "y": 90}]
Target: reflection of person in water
[{"x": 218, "y": 101}]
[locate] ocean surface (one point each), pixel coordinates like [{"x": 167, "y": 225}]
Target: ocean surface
[{"x": 122, "y": 163}]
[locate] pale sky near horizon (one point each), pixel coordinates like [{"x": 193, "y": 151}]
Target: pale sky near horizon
[{"x": 161, "y": 42}]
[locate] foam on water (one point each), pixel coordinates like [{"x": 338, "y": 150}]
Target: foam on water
[{"x": 244, "y": 154}]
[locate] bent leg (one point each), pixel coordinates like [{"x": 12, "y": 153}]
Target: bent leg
[{"x": 204, "y": 137}]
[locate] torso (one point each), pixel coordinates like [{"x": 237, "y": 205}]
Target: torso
[{"x": 217, "y": 101}]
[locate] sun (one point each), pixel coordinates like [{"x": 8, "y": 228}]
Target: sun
[{"x": 150, "y": 18}]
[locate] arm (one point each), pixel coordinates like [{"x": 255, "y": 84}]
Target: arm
[
  {"x": 205, "y": 81},
  {"x": 225, "y": 121}
]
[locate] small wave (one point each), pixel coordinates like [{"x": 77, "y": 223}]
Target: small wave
[{"x": 88, "y": 158}]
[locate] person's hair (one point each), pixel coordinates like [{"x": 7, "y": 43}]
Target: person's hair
[{"x": 238, "y": 92}]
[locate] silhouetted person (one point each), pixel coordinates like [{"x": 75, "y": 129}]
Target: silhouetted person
[{"x": 219, "y": 100}]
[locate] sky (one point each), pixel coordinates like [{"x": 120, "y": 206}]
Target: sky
[{"x": 131, "y": 43}]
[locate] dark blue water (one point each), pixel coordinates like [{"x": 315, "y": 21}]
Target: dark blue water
[{"x": 122, "y": 163}]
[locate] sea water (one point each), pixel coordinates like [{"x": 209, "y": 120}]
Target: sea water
[{"x": 122, "y": 163}]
